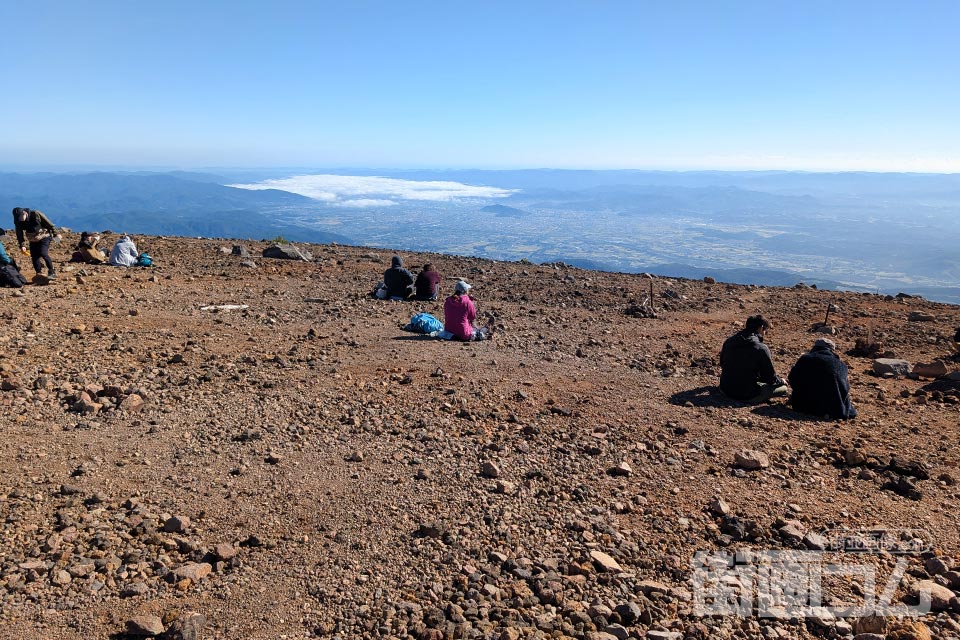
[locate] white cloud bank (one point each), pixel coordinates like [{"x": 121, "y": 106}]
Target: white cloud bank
[{"x": 372, "y": 191}]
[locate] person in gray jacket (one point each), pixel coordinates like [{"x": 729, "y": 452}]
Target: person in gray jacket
[{"x": 124, "y": 252}]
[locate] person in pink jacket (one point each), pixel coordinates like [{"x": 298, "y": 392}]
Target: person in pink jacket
[{"x": 459, "y": 312}]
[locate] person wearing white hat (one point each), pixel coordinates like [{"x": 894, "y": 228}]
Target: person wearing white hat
[
  {"x": 820, "y": 383},
  {"x": 459, "y": 313}
]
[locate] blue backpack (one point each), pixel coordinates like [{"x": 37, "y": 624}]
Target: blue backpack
[
  {"x": 144, "y": 260},
  {"x": 424, "y": 323}
]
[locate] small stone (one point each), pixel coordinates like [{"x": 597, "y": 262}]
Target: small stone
[
  {"x": 355, "y": 456},
  {"x": 505, "y": 487},
  {"x": 61, "y": 578},
  {"x": 224, "y": 551},
  {"x": 188, "y": 626},
  {"x": 664, "y": 635},
  {"x": 719, "y": 507},
  {"x": 134, "y": 590},
  {"x": 751, "y": 460},
  {"x": 622, "y": 469},
  {"x": 629, "y": 612},
  {"x": 854, "y": 457},
  {"x": 176, "y": 524},
  {"x": 792, "y": 531},
  {"x": 815, "y": 541},
  {"x": 132, "y": 403},
  {"x": 194, "y": 571},
  {"x": 604, "y": 562},
  {"x": 148, "y": 626},
  {"x": 490, "y": 470},
  {"x": 936, "y": 566}
]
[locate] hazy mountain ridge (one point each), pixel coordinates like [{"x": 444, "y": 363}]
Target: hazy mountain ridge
[
  {"x": 188, "y": 204},
  {"x": 863, "y": 231}
]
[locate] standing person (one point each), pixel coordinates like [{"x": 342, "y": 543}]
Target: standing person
[
  {"x": 747, "y": 372},
  {"x": 399, "y": 281},
  {"x": 124, "y": 252},
  {"x": 428, "y": 283},
  {"x": 820, "y": 384},
  {"x": 35, "y": 228},
  {"x": 459, "y": 312}
]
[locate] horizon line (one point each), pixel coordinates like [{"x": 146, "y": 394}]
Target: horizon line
[{"x": 164, "y": 168}]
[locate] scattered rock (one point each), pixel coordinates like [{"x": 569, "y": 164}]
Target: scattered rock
[
  {"x": 891, "y": 366},
  {"x": 938, "y": 594},
  {"x": 751, "y": 460},
  {"x": 144, "y": 626},
  {"x": 621, "y": 469},
  {"x": 604, "y": 562},
  {"x": 489, "y": 470},
  {"x": 188, "y": 626}
]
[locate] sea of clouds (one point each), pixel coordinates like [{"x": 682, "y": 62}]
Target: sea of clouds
[{"x": 373, "y": 191}]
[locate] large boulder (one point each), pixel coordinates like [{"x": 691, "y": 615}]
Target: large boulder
[
  {"x": 893, "y": 366},
  {"x": 287, "y": 252}
]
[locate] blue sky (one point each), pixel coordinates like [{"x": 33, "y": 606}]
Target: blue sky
[{"x": 674, "y": 85}]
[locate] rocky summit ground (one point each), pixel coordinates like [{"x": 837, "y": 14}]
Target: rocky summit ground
[{"x": 302, "y": 467}]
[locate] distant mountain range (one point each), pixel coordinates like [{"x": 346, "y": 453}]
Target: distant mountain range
[
  {"x": 181, "y": 203},
  {"x": 861, "y": 231}
]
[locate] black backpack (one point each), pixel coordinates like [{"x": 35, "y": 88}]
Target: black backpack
[{"x": 10, "y": 277}]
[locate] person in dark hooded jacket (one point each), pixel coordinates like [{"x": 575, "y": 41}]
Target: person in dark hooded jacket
[
  {"x": 399, "y": 281},
  {"x": 36, "y": 229},
  {"x": 747, "y": 372},
  {"x": 820, "y": 384}
]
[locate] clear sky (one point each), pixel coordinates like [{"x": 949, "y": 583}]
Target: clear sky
[{"x": 725, "y": 84}]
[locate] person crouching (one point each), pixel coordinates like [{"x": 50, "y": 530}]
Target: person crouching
[{"x": 459, "y": 313}]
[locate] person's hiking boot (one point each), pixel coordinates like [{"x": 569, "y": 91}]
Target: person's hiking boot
[{"x": 51, "y": 275}]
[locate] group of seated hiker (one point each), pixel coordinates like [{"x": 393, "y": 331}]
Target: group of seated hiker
[
  {"x": 123, "y": 254},
  {"x": 399, "y": 283},
  {"x": 819, "y": 383},
  {"x": 35, "y": 231}
]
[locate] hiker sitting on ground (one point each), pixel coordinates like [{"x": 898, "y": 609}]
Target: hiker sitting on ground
[
  {"x": 124, "y": 252},
  {"x": 5, "y": 258},
  {"x": 399, "y": 281},
  {"x": 820, "y": 385},
  {"x": 747, "y": 372},
  {"x": 428, "y": 283},
  {"x": 87, "y": 251},
  {"x": 36, "y": 229},
  {"x": 459, "y": 312}
]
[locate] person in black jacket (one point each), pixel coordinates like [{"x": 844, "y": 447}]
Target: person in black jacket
[
  {"x": 36, "y": 229},
  {"x": 747, "y": 372},
  {"x": 399, "y": 281},
  {"x": 820, "y": 384}
]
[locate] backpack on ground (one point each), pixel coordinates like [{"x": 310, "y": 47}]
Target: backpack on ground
[
  {"x": 424, "y": 323},
  {"x": 11, "y": 277},
  {"x": 144, "y": 260}
]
